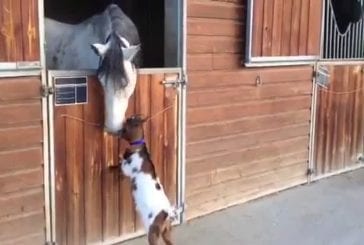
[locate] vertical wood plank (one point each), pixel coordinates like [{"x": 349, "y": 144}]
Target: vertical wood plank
[
  {"x": 277, "y": 27},
  {"x": 10, "y": 31},
  {"x": 295, "y": 27},
  {"x": 170, "y": 144},
  {"x": 156, "y": 123},
  {"x": 314, "y": 34},
  {"x": 286, "y": 29},
  {"x": 143, "y": 106},
  {"x": 75, "y": 190},
  {"x": 304, "y": 21},
  {"x": 142, "y": 102},
  {"x": 60, "y": 175},
  {"x": 30, "y": 30},
  {"x": 93, "y": 162},
  {"x": 127, "y": 214},
  {"x": 257, "y": 33},
  {"x": 349, "y": 120},
  {"x": 361, "y": 115},
  {"x": 343, "y": 105},
  {"x": 110, "y": 189},
  {"x": 267, "y": 27}
]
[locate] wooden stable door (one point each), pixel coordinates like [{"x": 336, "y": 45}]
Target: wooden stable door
[
  {"x": 93, "y": 201},
  {"x": 339, "y": 127}
]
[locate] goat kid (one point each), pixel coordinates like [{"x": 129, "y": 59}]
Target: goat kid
[{"x": 150, "y": 199}]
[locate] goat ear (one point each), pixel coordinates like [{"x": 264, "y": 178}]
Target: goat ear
[
  {"x": 131, "y": 52},
  {"x": 99, "y": 49}
]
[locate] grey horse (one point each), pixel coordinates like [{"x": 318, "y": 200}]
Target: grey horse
[{"x": 107, "y": 42}]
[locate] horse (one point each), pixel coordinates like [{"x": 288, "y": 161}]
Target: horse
[{"x": 107, "y": 42}]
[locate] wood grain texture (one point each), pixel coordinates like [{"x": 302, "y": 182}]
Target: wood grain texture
[
  {"x": 94, "y": 202},
  {"x": 286, "y": 28},
  {"x": 11, "y": 38},
  {"x": 339, "y": 126},
  {"x": 30, "y": 27},
  {"x": 19, "y": 35},
  {"x": 93, "y": 155},
  {"x": 22, "y": 218}
]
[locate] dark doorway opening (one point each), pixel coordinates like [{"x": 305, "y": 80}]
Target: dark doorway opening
[{"x": 148, "y": 16}]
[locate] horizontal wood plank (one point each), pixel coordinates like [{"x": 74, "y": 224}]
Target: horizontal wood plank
[
  {"x": 21, "y": 159},
  {"x": 213, "y": 44},
  {"x": 20, "y": 113},
  {"x": 241, "y": 141},
  {"x": 227, "y": 28},
  {"x": 246, "y": 125},
  {"x": 258, "y": 181},
  {"x": 213, "y": 204},
  {"x": 21, "y": 180},
  {"x": 246, "y": 93},
  {"x": 19, "y": 88},
  {"x": 13, "y": 138},
  {"x": 199, "y": 80},
  {"x": 237, "y": 111},
  {"x": 249, "y": 154},
  {"x": 243, "y": 170},
  {"x": 36, "y": 238},
  {"x": 214, "y": 10},
  {"x": 31, "y": 223},
  {"x": 21, "y": 202}
]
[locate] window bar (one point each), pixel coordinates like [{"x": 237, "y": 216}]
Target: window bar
[
  {"x": 334, "y": 41},
  {"x": 327, "y": 45},
  {"x": 356, "y": 40},
  {"x": 331, "y": 32},
  {"x": 361, "y": 39},
  {"x": 352, "y": 43},
  {"x": 346, "y": 38}
]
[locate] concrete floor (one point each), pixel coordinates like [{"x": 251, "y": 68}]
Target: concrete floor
[{"x": 328, "y": 212}]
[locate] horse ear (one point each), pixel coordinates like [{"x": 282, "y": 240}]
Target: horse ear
[
  {"x": 99, "y": 49},
  {"x": 130, "y": 52}
]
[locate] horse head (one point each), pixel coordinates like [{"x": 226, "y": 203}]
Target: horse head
[{"x": 117, "y": 74}]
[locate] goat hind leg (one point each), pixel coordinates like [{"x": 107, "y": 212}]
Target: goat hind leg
[
  {"x": 167, "y": 235},
  {"x": 153, "y": 235}
]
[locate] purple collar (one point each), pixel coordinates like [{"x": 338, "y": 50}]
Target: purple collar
[{"x": 138, "y": 142}]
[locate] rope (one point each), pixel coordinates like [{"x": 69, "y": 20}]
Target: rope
[
  {"x": 340, "y": 93},
  {"x": 81, "y": 120},
  {"x": 99, "y": 125},
  {"x": 160, "y": 112}
]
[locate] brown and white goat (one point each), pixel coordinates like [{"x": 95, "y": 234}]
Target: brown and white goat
[{"x": 150, "y": 199}]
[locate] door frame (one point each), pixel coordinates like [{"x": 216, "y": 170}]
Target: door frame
[
  {"x": 181, "y": 139},
  {"x": 312, "y": 177}
]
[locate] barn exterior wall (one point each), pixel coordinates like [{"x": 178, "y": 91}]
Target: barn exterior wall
[
  {"x": 247, "y": 128},
  {"x": 22, "y": 219}
]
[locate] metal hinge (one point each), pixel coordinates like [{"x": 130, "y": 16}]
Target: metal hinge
[
  {"x": 50, "y": 243},
  {"x": 47, "y": 90},
  {"x": 310, "y": 171}
]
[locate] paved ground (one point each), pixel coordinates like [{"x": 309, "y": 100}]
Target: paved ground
[{"x": 327, "y": 212}]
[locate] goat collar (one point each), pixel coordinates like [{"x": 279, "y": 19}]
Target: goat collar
[{"x": 137, "y": 142}]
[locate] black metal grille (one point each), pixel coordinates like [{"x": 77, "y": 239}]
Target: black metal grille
[{"x": 343, "y": 45}]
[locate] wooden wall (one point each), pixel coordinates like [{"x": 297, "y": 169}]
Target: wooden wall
[
  {"x": 340, "y": 120},
  {"x": 21, "y": 162},
  {"x": 286, "y": 27},
  {"x": 93, "y": 201},
  {"x": 243, "y": 139},
  {"x": 19, "y": 36}
]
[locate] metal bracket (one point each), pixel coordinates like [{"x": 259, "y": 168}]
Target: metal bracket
[
  {"x": 50, "y": 243},
  {"x": 322, "y": 76},
  {"x": 310, "y": 171},
  {"x": 174, "y": 83},
  {"x": 47, "y": 90}
]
